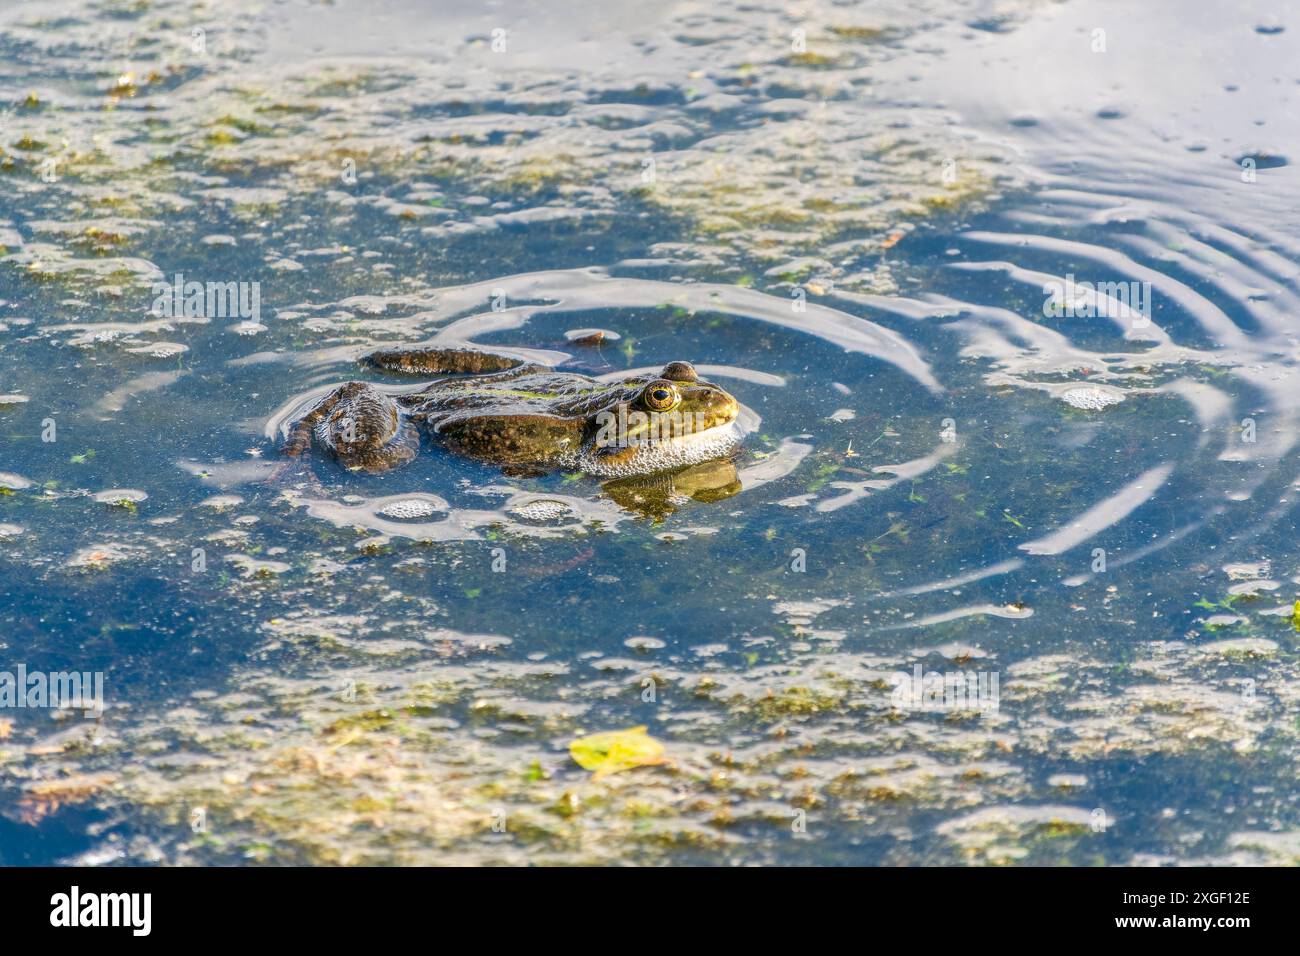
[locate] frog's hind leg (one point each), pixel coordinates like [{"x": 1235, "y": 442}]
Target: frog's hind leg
[
  {"x": 430, "y": 360},
  {"x": 297, "y": 444},
  {"x": 298, "y": 436},
  {"x": 363, "y": 427}
]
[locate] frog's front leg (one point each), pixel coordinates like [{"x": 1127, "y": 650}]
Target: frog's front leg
[
  {"x": 362, "y": 426},
  {"x": 430, "y": 360}
]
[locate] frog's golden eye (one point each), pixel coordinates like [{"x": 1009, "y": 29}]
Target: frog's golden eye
[{"x": 660, "y": 396}]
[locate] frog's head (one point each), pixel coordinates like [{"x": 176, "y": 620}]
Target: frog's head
[{"x": 659, "y": 423}]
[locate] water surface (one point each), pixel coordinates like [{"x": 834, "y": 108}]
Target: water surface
[{"x": 846, "y": 214}]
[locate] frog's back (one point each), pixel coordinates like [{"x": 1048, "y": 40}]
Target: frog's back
[{"x": 546, "y": 392}]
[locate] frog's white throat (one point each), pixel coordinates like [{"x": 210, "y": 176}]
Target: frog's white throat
[{"x": 665, "y": 454}]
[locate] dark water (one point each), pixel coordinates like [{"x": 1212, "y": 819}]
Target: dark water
[{"x": 850, "y": 217}]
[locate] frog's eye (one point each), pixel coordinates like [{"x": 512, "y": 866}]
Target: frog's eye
[{"x": 660, "y": 396}]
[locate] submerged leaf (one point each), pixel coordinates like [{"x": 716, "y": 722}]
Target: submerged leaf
[{"x": 617, "y": 750}]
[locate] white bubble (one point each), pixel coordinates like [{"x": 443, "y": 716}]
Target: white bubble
[
  {"x": 408, "y": 508},
  {"x": 1091, "y": 397}
]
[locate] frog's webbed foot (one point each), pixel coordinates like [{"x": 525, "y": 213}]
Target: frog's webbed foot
[
  {"x": 295, "y": 469},
  {"x": 429, "y": 360},
  {"x": 361, "y": 425}
]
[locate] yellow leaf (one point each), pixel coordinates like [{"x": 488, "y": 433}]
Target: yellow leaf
[{"x": 617, "y": 750}]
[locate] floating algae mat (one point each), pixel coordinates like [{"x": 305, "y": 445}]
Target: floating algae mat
[{"x": 1004, "y": 570}]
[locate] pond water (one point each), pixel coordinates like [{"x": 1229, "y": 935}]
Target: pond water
[{"x": 880, "y": 226}]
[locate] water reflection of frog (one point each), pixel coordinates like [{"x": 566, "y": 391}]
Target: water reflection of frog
[{"x": 525, "y": 417}]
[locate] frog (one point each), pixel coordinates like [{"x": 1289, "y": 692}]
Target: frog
[{"x": 523, "y": 416}]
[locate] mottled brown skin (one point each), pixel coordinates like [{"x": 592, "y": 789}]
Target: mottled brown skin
[
  {"x": 361, "y": 425},
  {"x": 499, "y": 409},
  {"x": 460, "y": 361}
]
